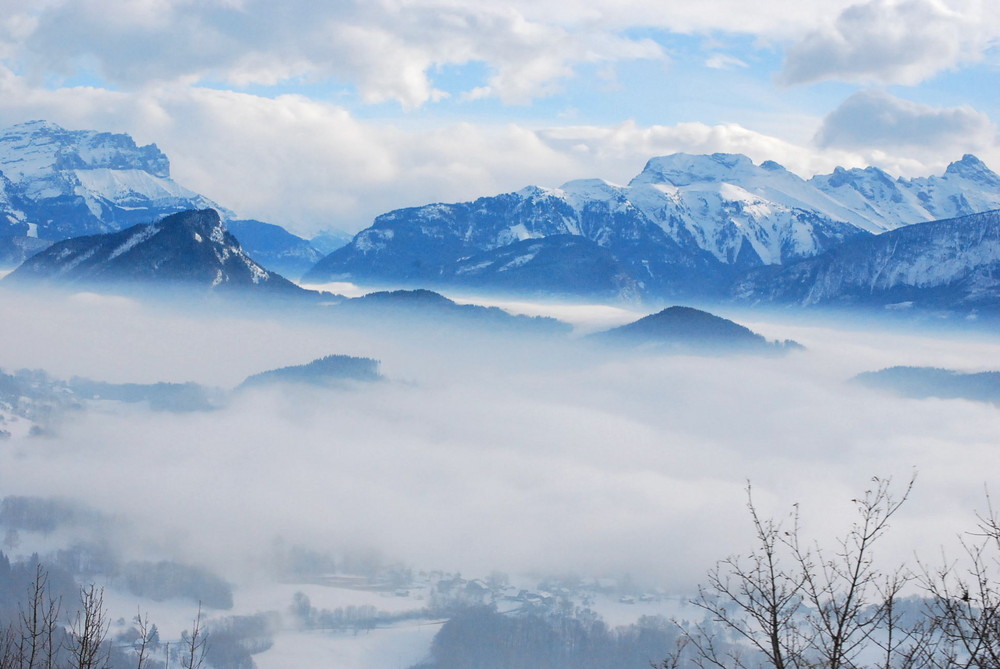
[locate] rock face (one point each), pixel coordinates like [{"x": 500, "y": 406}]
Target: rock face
[
  {"x": 948, "y": 264},
  {"x": 686, "y": 226},
  {"x": 67, "y": 183},
  {"x": 966, "y": 187},
  {"x": 192, "y": 249}
]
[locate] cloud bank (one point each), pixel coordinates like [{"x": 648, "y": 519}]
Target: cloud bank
[
  {"x": 873, "y": 119},
  {"x": 894, "y": 41},
  {"x": 485, "y": 454}
]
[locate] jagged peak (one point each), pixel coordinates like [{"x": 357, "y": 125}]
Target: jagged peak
[
  {"x": 191, "y": 247},
  {"x": 36, "y": 125},
  {"x": 38, "y": 146},
  {"x": 841, "y": 176},
  {"x": 972, "y": 168},
  {"x": 201, "y": 221}
]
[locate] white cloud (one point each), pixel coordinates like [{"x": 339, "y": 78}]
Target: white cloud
[
  {"x": 392, "y": 49},
  {"x": 624, "y": 148},
  {"x": 722, "y": 61},
  {"x": 782, "y": 20},
  {"x": 894, "y": 41},
  {"x": 873, "y": 119},
  {"x": 386, "y": 49}
]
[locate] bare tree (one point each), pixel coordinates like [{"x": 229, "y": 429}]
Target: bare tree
[
  {"x": 793, "y": 605},
  {"x": 756, "y": 597},
  {"x": 90, "y": 630},
  {"x": 40, "y": 637},
  {"x": 39, "y": 641},
  {"x": 842, "y": 590},
  {"x": 907, "y": 642},
  {"x": 9, "y": 655},
  {"x": 965, "y": 600},
  {"x": 194, "y": 644},
  {"x": 145, "y": 640}
]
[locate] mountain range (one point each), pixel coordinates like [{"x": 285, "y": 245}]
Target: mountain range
[
  {"x": 714, "y": 227},
  {"x": 192, "y": 252},
  {"x": 949, "y": 264},
  {"x": 685, "y": 226}
]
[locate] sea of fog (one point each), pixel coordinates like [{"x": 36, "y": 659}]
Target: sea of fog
[{"x": 485, "y": 452}]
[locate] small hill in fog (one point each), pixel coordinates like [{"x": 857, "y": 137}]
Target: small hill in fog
[
  {"x": 687, "y": 328},
  {"x": 332, "y": 370},
  {"x": 429, "y": 308},
  {"x": 923, "y": 382}
]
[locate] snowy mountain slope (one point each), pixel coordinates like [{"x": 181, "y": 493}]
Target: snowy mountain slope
[
  {"x": 744, "y": 214},
  {"x": 966, "y": 187},
  {"x": 679, "y": 228},
  {"x": 686, "y": 225},
  {"x": 274, "y": 247},
  {"x": 15, "y": 249},
  {"x": 568, "y": 264},
  {"x": 590, "y": 224},
  {"x": 78, "y": 182},
  {"x": 953, "y": 263},
  {"x": 192, "y": 248},
  {"x": 56, "y": 184}
]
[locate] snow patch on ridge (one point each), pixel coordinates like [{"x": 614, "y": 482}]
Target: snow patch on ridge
[{"x": 138, "y": 238}]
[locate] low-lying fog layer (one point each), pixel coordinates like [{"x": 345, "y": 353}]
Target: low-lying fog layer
[{"x": 490, "y": 453}]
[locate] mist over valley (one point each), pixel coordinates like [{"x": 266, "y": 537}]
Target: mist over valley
[
  {"x": 544, "y": 416},
  {"x": 479, "y": 452}
]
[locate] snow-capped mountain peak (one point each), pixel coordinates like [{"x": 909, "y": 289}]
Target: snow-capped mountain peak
[
  {"x": 77, "y": 182},
  {"x": 685, "y": 223},
  {"x": 579, "y": 192},
  {"x": 190, "y": 248},
  {"x": 973, "y": 169},
  {"x": 36, "y": 148},
  {"x": 685, "y": 169}
]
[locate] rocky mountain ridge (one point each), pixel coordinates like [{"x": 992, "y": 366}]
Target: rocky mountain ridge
[
  {"x": 952, "y": 264},
  {"x": 190, "y": 249},
  {"x": 686, "y": 226}
]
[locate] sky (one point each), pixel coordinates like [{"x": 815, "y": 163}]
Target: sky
[{"x": 321, "y": 115}]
